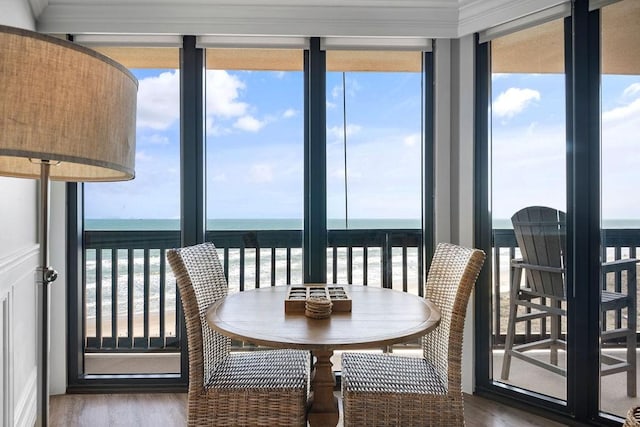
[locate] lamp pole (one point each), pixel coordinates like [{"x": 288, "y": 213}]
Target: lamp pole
[
  {"x": 49, "y": 118},
  {"x": 45, "y": 275}
]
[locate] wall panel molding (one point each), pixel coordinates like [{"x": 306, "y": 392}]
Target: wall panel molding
[
  {"x": 25, "y": 409},
  {"x": 14, "y": 265},
  {"x": 17, "y": 269},
  {"x": 6, "y": 366}
]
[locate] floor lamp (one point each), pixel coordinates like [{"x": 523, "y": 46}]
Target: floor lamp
[{"x": 67, "y": 113}]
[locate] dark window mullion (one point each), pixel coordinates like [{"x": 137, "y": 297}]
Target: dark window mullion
[
  {"x": 288, "y": 265},
  {"x": 162, "y": 288},
  {"x": 315, "y": 165},
  {"x": 98, "y": 290},
  {"x": 130, "y": 299},
  {"x": 114, "y": 296},
  {"x": 583, "y": 214},
  {"x": 428, "y": 164},
  {"x": 192, "y": 169},
  {"x": 482, "y": 218},
  {"x": 273, "y": 266}
]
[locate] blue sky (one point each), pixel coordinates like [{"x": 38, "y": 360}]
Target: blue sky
[
  {"x": 528, "y": 136},
  {"x": 528, "y": 142},
  {"x": 255, "y": 146}
]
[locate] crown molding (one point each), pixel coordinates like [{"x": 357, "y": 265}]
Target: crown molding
[
  {"x": 298, "y": 18},
  {"x": 37, "y": 6},
  {"x": 478, "y": 15},
  {"x": 380, "y": 18}
]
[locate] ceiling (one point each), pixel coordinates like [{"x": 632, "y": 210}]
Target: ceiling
[{"x": 347, "y": 18}]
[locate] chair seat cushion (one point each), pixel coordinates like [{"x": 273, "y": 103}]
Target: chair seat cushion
[
  {"x": 262, "y": 369},
  {"x": 384, "y": 373}
]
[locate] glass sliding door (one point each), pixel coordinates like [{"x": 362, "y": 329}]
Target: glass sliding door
[
  {"x": 620, "y": 211},
  {"x": 563, "y": 160},
  {"x": 528, "y": 205}
]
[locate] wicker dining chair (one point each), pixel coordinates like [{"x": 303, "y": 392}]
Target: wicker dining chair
[
  {"x": 262, "y": 387},
  {"x": 389, "y": 390}
]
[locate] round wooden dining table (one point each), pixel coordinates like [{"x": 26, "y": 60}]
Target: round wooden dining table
[{"x": 378, "y": 317}]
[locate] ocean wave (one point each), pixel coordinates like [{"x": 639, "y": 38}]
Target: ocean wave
[{"x": 251, "y": 276}]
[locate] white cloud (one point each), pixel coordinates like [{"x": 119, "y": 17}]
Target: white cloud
[
  {"x": 528, "y": 167},
  {"x": 215, "y": 128},
  {"x": 621, "y": 113},
  {"x": 142, "y": 156},
  {"x": 156, "y": 139},
  {"x": 289, "y": 113},
  {"x": 336, "y": 91},
  {"x": 383, "y": 176},
  {"x": 249, "y": 123},
  {"x": 261, "y": 173},
  {"x": 337, "y": 132},
  {"x": 159, "y": 101},
  {"x": 223, "y": 90},
  {"x": 223, "y": 103},
  {"x": 352, "y": 87},
  {"x": 620, "y": 164},
  {"x": 411, "y": 140},
  {"x": 632, "y": 90},
  {"x": 337, "y": 173},
  {"x": 513, "y": 101},
  {"x": 221, "y": 177}
]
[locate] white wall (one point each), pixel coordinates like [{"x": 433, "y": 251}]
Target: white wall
[
  {"x": 19, "y": 253},
  {"x": 16, "y": 13},
  {"x": 454, "y": 127},
  {"x": 442, "y": 140}
]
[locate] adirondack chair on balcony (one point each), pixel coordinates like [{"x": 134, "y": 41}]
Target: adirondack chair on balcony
[{"x": 541, "y": 236}]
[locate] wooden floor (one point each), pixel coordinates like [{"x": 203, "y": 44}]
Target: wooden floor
[{"x": 169, "y": 409}]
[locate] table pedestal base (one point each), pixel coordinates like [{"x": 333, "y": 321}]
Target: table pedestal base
[{"x": 323, "y": 410}]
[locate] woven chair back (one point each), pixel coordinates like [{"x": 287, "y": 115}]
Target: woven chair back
[
  {"x": 452, "y": 275},
  {"x": 541, "y": 234},
  {"x": 201, "y": 282}
]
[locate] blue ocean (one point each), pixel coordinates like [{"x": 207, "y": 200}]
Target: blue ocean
[
  {"x": 295, "y": 224},
  {"x": 246, "y": 224}
]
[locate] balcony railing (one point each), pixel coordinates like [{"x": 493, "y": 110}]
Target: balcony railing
[
  {"x": 130, "y": 294},
  {"x": 618, "y": 244}
]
